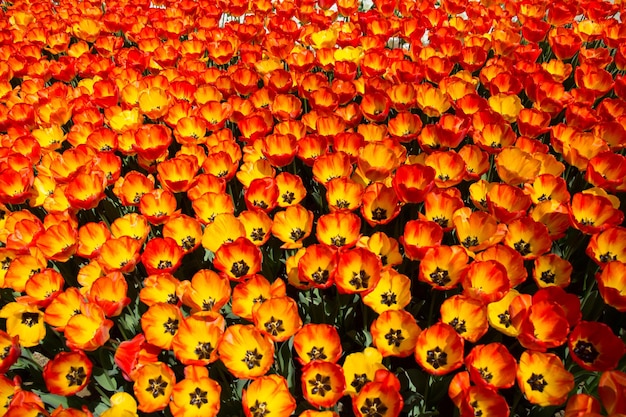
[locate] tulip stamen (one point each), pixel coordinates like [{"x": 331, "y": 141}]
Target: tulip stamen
[
  {"x": 440, "y": 277},
  {"x": 359, "y": 279},
  {"x": 394, "y": 337},
  {"x": 252, "y": 358},
  {"x": 274, "y": 326},
  {"x": 204, "y": 350},
  {"x": 296, "y": 234},
  {"x": 459, "y": 325},
  {"x": 321, "y": 385},
  {"x": 171, "y": 326},
  {"x": 437, "y": 357},
  {"x": 198, "y": 397},
  {"x": 320, "y": 276},
  {"x": 586, "y": 351},
  {"x": 30, "y": 319},
  {"x": 156, "y": 386},
  {"x": 239, "y": 268},
  {"x": 257, "y": 234},
  {"x": 359, "y": 381},
  {"x": 75, "y": 376},
  {"x": 537, "y": 382},
  {"x": 317, "y": 353},
  {"x": 388, "y": 298},
  {"x": 373, "y": 407},
  {"x": 259, "y": 409}
]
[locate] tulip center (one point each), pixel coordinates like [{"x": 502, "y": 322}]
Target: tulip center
[
  {"x": 156, "y": 386},
  {"x": 459, "y": 325},
  {"x": 359, "y": 381},
  {"x": 342, "y": 204},
  {"x": 259, "y": 409},
  {"x": 605, "y": 257},
  {"x": 296, "y": 234},
  {"x": 485, "y": 374},
  {"x": 75, "y": 376},
  {"x": 188, "y": 242},
  {"x": 6, "y": 262},
  {"x": 587, "y": 222},
  {"x": 257, "y": 234},
  {"x": 261, "y": 204},
  {"x": 388, "y": 298},
  {"x": 338, "y": 240},
  {"x": 548, "y": 277},
  {"x": 536, "y": 382},
  {"x": 522, "y": 247},
  {"x": 198, "y": 397},
  {"x": 164, "y": 264},
  {"x": 320, "y": 276},
  {"x": 586, "y": 351},
  {"x": 437, "y": 357},
  {"x": 505, "y": 319},
  {"x": 204, "y": 350},
  {"x": 171, "y": 326},
  {"x": 252, "y": 358},
  {"x": 207, "y": 305},
  {"x": 321, "y": 385},
  {"x": 373, "y": 407},
  {"x": 239, "y": 268},
  {"x": 441, "y": 221},
  {"x": 288, "y": 197},
  {"x": 394, "y": 337},
  {"x": 470, "y": 241},
  {"x": 30, "y": 319},
  {"x": 379, "y": 214},
  {"x": 274, "y": 326},
  {"x": 359, "y": 279},
  {"x": 440, "y": 277},
  {"x": 172, "y": 299},
  {"x": 317, "y": 353}
]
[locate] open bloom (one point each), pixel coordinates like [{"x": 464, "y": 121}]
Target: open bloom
[
  {"x": 323, "y": 383},
  {"x": 317, "y": 342},
  {"x": 245, "y": 351},
  {"x": 543, "y": 378},
  {"x": 268, "y": 394},
  {"x": 154, "y": 383},
  {"x": 196, "y": 395},
  {"x": 439, "y": 349},
  {"x": 67, "y": 373}
]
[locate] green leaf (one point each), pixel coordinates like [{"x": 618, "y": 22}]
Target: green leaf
[{"x": 104, "y": 380}]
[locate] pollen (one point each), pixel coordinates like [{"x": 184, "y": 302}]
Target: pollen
[
  {"x": 373, "y": 407},
  {"x": 156, "y": 386},
  {"x": 394, "y": 337},
  {"x": 204, "y": 350},
  {"x": 440, "y": 277},
  {"x": 75, "y": 376},
  {"x": 537, "y": 382},
  {"x": 359, "y": 279},
  {"x": 274, "y": 326},
  {"x": 30, "y": 319},
  {"x": 586, "y": 351},
  {"x": 239, "y": 268},
  {"x": 437, "y": 357},
  {"x": 259, "y": 409},
  {"x": 171, "y": 326},
  {"x": 316, "y": 353},
  {"x": 321, "y": 385},
  {"x": 198, "y": 397},
  {"x": 252, "y": 358}
]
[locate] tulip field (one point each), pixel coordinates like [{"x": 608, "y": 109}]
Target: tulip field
[{"x": 315, "y": 208}]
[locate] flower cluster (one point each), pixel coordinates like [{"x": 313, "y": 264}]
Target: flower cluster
[{"x": 312, "y": 207}]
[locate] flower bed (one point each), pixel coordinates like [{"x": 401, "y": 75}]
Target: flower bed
[{"x": 312, "y": 208}]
